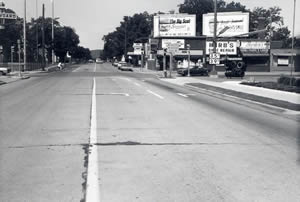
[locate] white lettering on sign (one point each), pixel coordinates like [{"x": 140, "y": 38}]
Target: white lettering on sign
[
  {"x": 223, "y": 47},
  {"x": 165, "y": 42},
  {"x": 8, "y": 16},
  {"x": 214, "y": 58}
]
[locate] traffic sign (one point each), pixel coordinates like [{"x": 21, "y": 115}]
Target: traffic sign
[
  {"x": 173, "y": 47},
  {"x": 214, "y": 58}
]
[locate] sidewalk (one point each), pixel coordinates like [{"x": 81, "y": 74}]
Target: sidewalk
[
  {"x": 236, "y": 86},
  {"x": 14, "y": 76}
]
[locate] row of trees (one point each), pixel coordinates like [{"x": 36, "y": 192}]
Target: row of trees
[
  {"x": 66, "y": 40},
  {"x": 140, "y": 25}
]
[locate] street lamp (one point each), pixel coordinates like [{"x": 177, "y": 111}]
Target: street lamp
[{"x": 188, "y": 46}]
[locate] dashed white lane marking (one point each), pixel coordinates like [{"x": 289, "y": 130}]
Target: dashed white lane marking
[
  {"x": 137, "y": 84},
  {"x": 92, "y": 185},
  {"x": 157, "y": 95},
  {"x": 95, "y": 67},
  {"x": 124, "y": 94},
  {"x": 183, "y": 95}
]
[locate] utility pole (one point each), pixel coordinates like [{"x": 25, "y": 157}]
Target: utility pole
[
  {"x": 53, "y": 56},
  {"x": 293, "y": 35},
  {"x": 43, "y": 38},
  {"x": 125, "y": 40},
  {"x": 213, "y": 72},
  {"x": 37, "y": 32},
  {"x": 25, "y": 55}
]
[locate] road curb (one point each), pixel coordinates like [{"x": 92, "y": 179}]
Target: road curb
[{"x": 277, "y": 107}]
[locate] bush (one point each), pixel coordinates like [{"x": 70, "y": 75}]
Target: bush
[{"x": 285, "y": 80}]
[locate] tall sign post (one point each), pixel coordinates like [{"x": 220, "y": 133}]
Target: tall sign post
[
  {"x": 189, "y": 58},
  {"x": 19, "y": 53},
  {"x": 12, "y": 50},
  {"x": 165, "y": 63}
]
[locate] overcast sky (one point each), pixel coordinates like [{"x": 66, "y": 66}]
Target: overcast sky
[{"x": 94, "y": 18}]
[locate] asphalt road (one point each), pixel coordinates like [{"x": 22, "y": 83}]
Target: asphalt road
[{"x": 93, "y": 132}]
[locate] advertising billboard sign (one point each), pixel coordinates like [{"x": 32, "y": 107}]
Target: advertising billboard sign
[
  {"x": 175, "y": 25},
  {"x": 165, "y": 42},
  {"x": 223, "y": 47},
  {"x": 235, "y": 23},
  {"x": 254, "y": 47}
]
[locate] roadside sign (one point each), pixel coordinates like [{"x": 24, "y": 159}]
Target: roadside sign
[
  {"x": 11, "y": 16},
  {"x": 214, "y": 58},
  {"x": 173, "y": 47}
]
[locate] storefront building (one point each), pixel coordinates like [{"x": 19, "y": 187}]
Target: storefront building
[{"x": 282, "y": 60}]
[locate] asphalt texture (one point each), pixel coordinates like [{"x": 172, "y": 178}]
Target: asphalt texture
[{"x": 155, "y": 141}]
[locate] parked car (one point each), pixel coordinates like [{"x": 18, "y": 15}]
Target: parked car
[
  {"x": 121, "y": 63},
  {"x": 5, "y": 70},
  {"x": 126, "y": 68},
  {"x": 115, "y": 63},
  {"x": 91, "y": 61},
  {"x": 194, "y": 71}
]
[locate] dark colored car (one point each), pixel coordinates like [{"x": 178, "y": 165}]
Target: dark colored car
[{"x": 194, "y": 71}]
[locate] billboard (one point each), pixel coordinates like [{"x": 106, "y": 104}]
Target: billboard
[
  {"x": 223, "y": 47},
  {"x": 165, "y": 42},
  {"x": 236, "y": 23},
  {"x": 175, "y": 25},
  {"x": 254, "y": 47}
]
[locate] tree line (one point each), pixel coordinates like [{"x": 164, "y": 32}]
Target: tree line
[
  {"x": 65, "y": 40},
  {"x": 140, "y": 26}
]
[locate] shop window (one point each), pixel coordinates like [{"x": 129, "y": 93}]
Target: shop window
[{"x": 283, "y": 61}]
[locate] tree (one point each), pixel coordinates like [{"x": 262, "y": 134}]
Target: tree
[
  {"x": 81, "y": 53},
  {"x": 200, "y": 7},
  {"x": 131, "y": 29}
]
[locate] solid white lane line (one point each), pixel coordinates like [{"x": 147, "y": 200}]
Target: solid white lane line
[
  {"x": 183, "y": 95},
  {"x": 92, "y": 185},
  {"x": 157, "y": 95}
]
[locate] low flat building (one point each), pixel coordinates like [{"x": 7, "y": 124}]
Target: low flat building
[{"x": 281, "y": 60}]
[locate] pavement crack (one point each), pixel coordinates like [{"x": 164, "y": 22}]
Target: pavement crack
[
  {"x": 47, "y": 146},
  {"x": 132, "y": 143}
]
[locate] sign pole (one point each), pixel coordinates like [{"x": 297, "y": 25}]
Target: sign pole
[
  {"x": 189, "y": 59},
  {"x": 165, "y": 63},
  {"x": 171, "y": 64},
  {"x": 19, "y": 52}
]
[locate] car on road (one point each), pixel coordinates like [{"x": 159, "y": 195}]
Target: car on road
[
  {"x": 194, "y": 71},
  {"x": 5, "y": 70},
  {"x": 99, "y": 61},
  {"x": 91, "y": 61}
]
